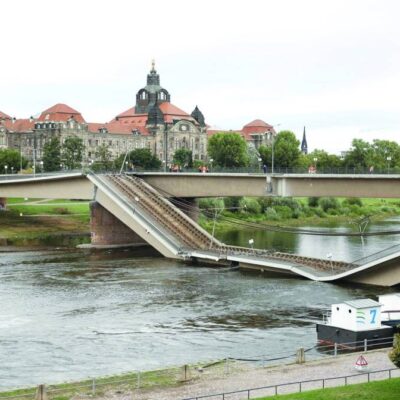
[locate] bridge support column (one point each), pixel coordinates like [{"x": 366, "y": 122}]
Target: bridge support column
[
  {"x": 107, "y": 230},
  {"x": 3, "y": 203},
  {"x": 189, "y": 206}
]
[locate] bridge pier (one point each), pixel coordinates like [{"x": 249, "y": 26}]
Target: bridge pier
[
  {"x": 189, "y": 206},
  {"x": 107, "y": 230},
  {"x": 3, "y": 203}
]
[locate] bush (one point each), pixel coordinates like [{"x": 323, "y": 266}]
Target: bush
[
  {"x": 319, "y": 213},
  {"x": 307, "y": 211},
  {"x": 271, "y": 215},
  {"x": 286, "y": 201},
  {"x": 250, "y": 205},
  {"x": 313, "y": 201},
  {"x": 353, "y": 201},
  {"x": 284, "y": 212},
  {"x": 210, "y": 205},
  {"x": 265, "y": 203},
  {"x": 394, "y": 355},
  {"x": 328, "y": 202}
]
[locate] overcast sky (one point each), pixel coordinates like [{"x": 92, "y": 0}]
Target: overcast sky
[{"x": 333, "y": 66}]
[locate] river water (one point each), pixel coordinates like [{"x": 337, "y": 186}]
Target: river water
[{"x": 70, "y": 314}]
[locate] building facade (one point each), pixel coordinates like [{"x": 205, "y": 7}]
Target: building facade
[{"x": 153, "y": 123}]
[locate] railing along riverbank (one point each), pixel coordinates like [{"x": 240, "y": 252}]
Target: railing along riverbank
[{"x": 205, "y": 371}]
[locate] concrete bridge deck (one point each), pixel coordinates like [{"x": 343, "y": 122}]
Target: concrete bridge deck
[{"x": 193, "y": 185}]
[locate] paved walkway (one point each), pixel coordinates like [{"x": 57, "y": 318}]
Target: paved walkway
[{"x": 251, "y": 378}]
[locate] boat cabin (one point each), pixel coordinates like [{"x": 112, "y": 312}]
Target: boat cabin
[{"x": 356, "y": 315}]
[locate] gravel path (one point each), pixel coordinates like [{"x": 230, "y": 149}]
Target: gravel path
[{"x": 252, "y": 378}]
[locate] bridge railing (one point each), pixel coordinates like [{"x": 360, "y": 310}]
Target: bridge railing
[
  {"x": 375, "y": 256},
  {"x": 216, "y": 169}
]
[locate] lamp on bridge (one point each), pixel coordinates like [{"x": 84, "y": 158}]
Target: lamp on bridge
[
  {"x": 5, "y": 169},
  {"x": 259, "y": 163},
  {"x": 211, "y": 161},
  {"x": 315, "y": 163},
  {"x": 388, "y": 159}
]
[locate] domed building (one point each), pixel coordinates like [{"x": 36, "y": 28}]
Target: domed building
[
  {"x": 153, "y": 123},
  {"x": 170, "y": 127}
]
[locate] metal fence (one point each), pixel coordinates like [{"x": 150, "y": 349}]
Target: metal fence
[
  {"x": 238, "y": 170},
  {"x": 301, "y": 386}
]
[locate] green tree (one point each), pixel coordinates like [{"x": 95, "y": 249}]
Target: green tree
[
  {"x": 52, "y": 155},
  {"x": 183, "y": 157},
  {"x": 103, "y": 158},
  {"x": 266, "y": 155},
  {"x": 360, "y": 155},
  {"x": 228, "y": 150},
  {"x": 11, "y": 161},
  {"x": 139, "y": 158},
  {"x": 72, "y": 152},
  {"x": 323, "y": 160},
  {"x": 286, "y": 150},
  {"x": 386, "y": 154}
]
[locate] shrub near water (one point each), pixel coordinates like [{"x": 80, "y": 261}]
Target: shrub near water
[
  {"x": 250, "y": 205},
  {"x": 327, "y": 203}
]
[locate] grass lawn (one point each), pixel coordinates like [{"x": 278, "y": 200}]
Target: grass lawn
[
  {"x": 378, "y": 390},
  {"x": 26, "y": 220},
  {"x": 50, "y": 209}
]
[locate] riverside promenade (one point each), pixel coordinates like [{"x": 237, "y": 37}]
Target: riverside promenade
[{"x": 250, "y": 377}]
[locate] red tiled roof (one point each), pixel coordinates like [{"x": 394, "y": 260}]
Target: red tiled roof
[
  {"x": 256, "y": 126},
  {"x": 60, "y": 112},
  {"x": 117, "y": 127},
  {"x": 170, "y": 112},
  {"x": 258, "y": 123},
  {"x": 128, "y": 113},
  {"x": 19, "y": 125},
  {"x": 4, "y": 116}
]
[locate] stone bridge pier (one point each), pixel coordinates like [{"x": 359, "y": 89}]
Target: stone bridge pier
[{"x": 107, "y": 230}]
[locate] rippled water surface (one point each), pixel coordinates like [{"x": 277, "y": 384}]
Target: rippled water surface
[{"x": 70, "y": 314}]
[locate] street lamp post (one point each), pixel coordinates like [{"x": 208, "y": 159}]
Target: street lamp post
[
  {"x": 211, "y": 161},
  {"x": 272, "y": 157},
  {"x": 272, "y": 150},
  {"x": 5, "y": 169},
  {"x": 259, "y": 163},
  {"x": 41, "y": 167},
  {"x": 165, "y": 147},
  {"x": 315, "y": 163},
  {"x": 388, "y": 159}
]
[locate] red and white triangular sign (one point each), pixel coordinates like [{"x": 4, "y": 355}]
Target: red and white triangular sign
[{"x": 361, "y": 362}]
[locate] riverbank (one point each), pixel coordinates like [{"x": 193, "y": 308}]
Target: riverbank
[
  {"x": 42, "y": 221},
  {"x": 201, "y": 380},
  {"x": 223, "y": 214}
]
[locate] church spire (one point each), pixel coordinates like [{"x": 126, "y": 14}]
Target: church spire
[{"x": 304, "y": 147}]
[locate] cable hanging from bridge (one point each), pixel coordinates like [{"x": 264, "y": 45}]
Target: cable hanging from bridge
[{"x": 181, "y": 203}]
